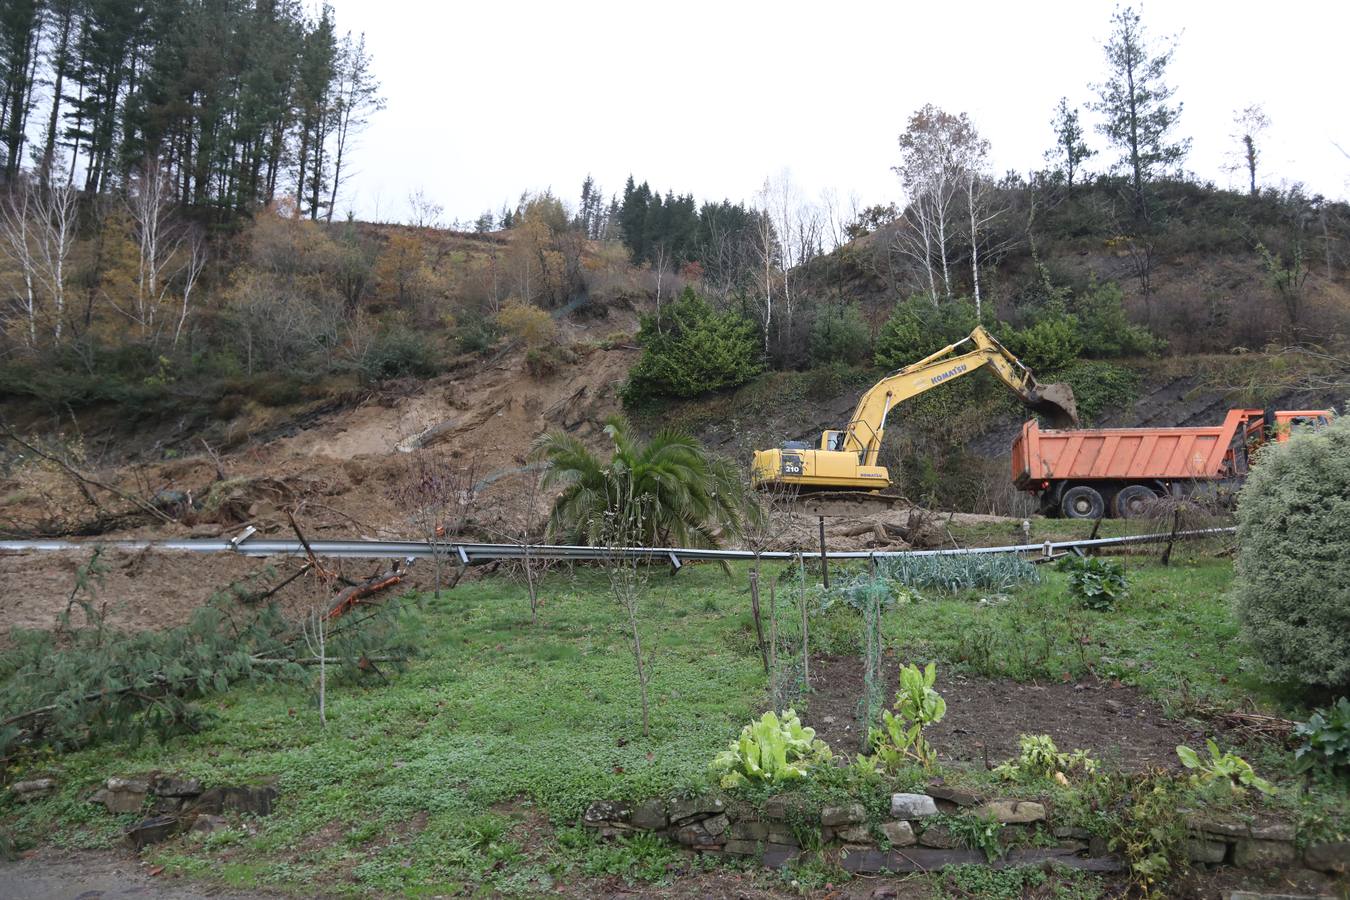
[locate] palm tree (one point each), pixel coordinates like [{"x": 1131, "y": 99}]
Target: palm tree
[{"x": 668, "y": 490}]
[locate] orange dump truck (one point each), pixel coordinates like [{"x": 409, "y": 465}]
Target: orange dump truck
[{"x": 1089, "y": 473}]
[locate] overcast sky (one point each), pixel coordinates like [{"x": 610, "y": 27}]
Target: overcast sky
[{"x": 486, "y": 100}]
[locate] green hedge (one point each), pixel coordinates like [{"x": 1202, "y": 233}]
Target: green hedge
[{"x": 1293, "y": 566}]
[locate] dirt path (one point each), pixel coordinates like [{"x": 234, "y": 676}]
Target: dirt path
[{"x": 100, "y": 876}]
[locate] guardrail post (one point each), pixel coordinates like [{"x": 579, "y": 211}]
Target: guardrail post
[
  {"x": 675, "y": 564},
  {"x": 824, "y": 558}
]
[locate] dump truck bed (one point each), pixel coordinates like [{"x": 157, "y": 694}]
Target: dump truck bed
[{"x": 1122, "y": 454}]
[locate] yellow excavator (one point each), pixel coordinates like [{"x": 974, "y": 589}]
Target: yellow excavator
[{"x": 846, "y": 460}]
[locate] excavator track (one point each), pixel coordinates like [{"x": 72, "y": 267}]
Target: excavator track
[{"x": 847, "y": 503}]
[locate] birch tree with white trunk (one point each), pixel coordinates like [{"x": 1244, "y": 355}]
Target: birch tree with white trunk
[
  {"x": 170, "y": 255},
  {"x": 971, "y": 159},
  {"x": 17, "y": 240},
  {"x": 56, "y": 209},
  {"x": 768, "y": 250},
  {"x": 942, "y": 158}
]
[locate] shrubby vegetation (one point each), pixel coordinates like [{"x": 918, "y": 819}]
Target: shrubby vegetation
[
  {"x": 1293, "y": 590},
  {"x": 691, "y": 349},
  {"x": 917, "y": 328},
  {"x": 839, "y": 337}
]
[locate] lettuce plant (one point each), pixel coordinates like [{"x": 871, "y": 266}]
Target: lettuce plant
[
  {"x": 1222, "y": 768},
  {"x": 917, "y": 706},
  {"x": 771, "y": 750}
]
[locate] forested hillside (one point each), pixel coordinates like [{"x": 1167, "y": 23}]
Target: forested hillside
[
  {"x": 172, "y": 268},
  {"x": 231, "y": 104}
]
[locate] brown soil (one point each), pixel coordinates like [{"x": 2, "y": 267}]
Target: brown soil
[
  {"x": 339, "y": 470},
  {"x": 985, "y": 716},
  {"x": 138, "y": 591}
]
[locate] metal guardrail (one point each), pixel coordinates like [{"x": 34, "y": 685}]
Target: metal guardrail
[{"x": 470, "y": 554}]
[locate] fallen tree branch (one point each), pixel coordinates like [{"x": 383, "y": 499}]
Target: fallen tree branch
[
  {"x": 83, "y": 480},
  {"x": 327, "y": 660},
  {"x": 346, "y": 598}
]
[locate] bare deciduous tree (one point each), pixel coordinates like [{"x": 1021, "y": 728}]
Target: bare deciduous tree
[
  {"x": 942, "y": 157},
  {"x": 37, "y": 232},
  {"x": 170, "y": 253},
  {"x": 16, "y": 229},
  {"x": 525, "y": 529},
  {"x": 769, "y": 253},
  {"x": 623, "y": 527},
  {"x": 358, "y": 96},
  {"x": 423, "y": 212},
  {"x": 1249, "y": 124},
  {"x": 436, "y": 496}
]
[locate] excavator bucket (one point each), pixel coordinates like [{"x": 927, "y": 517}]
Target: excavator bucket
[{"x": 1057, "y": 404}]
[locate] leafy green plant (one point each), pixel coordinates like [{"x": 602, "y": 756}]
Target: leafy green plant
[
  {"x": 963, "y": 882},
  {"x": 999, "y": 572},
  {"x": 976, "y": 832},
  {"x": 639, "y": 857},
  {"x": 917, "y": 706},
  {"x": 771, "y": 750},
  {"x": 1225, "y": 768},
  {"x": 1151, "y": 834},
  {"x": 1326, "y": 738},
  {"x": 1095, "y": 582},
  {"x": 1038, "y": 757}
]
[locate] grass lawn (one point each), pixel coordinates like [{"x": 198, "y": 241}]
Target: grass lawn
[{"x": 468, "y": 770}]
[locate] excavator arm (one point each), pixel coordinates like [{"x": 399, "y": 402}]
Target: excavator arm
[
  {"x": 846, "y": 460},
  {"x": 865, "y": 428}
]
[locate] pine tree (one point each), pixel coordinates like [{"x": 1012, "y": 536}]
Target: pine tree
[
  {"x": 1070, "y": 150},
  {"x": 633, "y": 216},
  {"x": 20, "y": 26},
  {"x": 314, "y": 95},
  {"x": 1134, "y": 101}
]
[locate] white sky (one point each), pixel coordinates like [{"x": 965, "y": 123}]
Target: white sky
[{"x": 488, "y": 99}]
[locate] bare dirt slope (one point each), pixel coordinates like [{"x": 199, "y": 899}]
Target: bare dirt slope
[{"x": 340, "y": 471}]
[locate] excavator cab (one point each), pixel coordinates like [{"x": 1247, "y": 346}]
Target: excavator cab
[{"x": 832, "y": 440}]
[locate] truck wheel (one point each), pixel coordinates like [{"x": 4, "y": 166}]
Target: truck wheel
[
  {"x": 1082, "y": 502},
  {"x": 1134, "y": 500}
]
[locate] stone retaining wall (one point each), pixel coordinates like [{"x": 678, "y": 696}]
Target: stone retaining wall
[{"x": 911, "y": 840}]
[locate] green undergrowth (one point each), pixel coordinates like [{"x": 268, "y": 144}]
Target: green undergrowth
[
  {"x": 468, "y": 772},
  {"x": 493, "y": 711},
  {"x": 1174, "y": 636}
]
